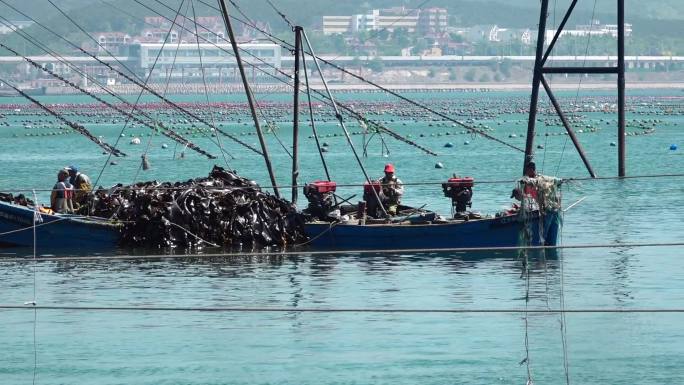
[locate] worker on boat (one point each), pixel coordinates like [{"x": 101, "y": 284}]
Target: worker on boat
[
  {"x": 81, "y": 184},
  {"x": 61, "y": 198},
  {"x": 391, "y": 190},
  {"x": 529, "y": 189},
  {"x": 539, "y": 192},
  {"x": 516, "y": 194}
]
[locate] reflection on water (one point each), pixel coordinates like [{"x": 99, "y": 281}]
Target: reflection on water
[{"x": 379, "y": 348}]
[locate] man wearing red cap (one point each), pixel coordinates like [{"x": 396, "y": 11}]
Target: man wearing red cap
[{"x": 392, "y": 190}]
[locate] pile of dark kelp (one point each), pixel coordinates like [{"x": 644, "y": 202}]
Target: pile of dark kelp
[
  {"x": 16, "y": 199},
  {"x": 222, "y": 209}
]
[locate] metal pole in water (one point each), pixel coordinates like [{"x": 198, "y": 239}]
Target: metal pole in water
[
  {"x": 536, "y": 80},
  {"x": 295, "y": 120},
  {"x": 621, "y": 86},
  {"x": 250, "y": 97}
]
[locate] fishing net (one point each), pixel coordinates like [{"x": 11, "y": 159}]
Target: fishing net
[{"x": 540, "y": 198}]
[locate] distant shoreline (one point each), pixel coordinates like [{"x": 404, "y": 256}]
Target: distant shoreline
[
  {"x": 359, "y": 87},
  {"x": 507, "y": 86}
]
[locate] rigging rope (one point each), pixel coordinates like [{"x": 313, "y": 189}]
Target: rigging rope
[
  {"x": 322, "y": 97},
  {"x": 36, "y": 218},
  {"x": 579, "y": 84},
  {"x": 75, "y": 126},
  {"x": 135, "y": 81},
  {"x": 563, "y": 320},
  {"x": 300, "y": 253},
  {"x": 282, "y": 15},
  {"x": 166, "y": 132},
  {"x": 144, "y": 159},
  {"x": 423, "y": 183},
  {"x": 204, "y": 80},
  {"x": 137, "y": 100},
  {"x": 341, "y": 310},
  {"x": 289, "y": 46}
]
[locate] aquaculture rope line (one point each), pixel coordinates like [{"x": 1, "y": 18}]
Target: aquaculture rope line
[
  {"x": 342, "y": 252},
  {"x": 425, "y": 183},
  {"x": 337, "y": 310}
]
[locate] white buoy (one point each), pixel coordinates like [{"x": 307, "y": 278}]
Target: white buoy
[
  {"x": 135, "y": 141},
  {"x": 439, "y": 165}
]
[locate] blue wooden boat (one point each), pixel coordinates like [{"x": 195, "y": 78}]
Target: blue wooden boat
[
  {"x": 55, "y": 231},
  {"x": 502, "y": 231}
]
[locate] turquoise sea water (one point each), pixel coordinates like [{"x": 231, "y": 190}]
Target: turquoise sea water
[{"x": 120, "y": 347}]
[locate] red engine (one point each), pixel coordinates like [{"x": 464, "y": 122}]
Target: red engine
[
  {"x": 369, "y": 187},
  {"x": 323, "y": 187},
  {"x": 321, "y": 196},
  {"x": 460, "y": 190},
  {"x": 466, "y": 181}
]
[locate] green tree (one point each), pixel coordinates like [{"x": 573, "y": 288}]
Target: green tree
[
  {"x": 470, "y": 75},
  {"x": 456, "y": 37},
  {"x": 376, "y": 64},
  {"x": 401, "y": 37},
  {"x": 505, "y": 67}
]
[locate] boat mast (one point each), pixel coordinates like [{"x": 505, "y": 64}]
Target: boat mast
[
  {"x": 540, "y": 70},
  {"x": 536, "y": 78},
  {"x": 621, "y": 87},
  {"x": 250, "y": 97},
  {"x": 295, "y": 119}
]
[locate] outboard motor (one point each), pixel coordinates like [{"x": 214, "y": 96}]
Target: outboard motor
[
  {"x": 460, "y": 190},
  {"x": 320, "y": 195}
]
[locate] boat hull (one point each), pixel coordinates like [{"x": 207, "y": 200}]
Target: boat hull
[
  {"x": 502, "y": 231},
  {"x": 55, "y": 232}
]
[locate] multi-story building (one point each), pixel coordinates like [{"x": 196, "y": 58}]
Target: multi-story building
[
  {"x": 183, "y": 60},
  {"x": 111, "y": 41},
  {"x": 390, "y": 19},
  {"x": 338, "y": 24},
  {"x": 433, "y": 20},
  {"x": 593, "y": 29},
  {"x": 395, "y": 18}
]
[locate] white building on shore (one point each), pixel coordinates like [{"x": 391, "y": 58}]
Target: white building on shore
[{"x": 183, "y": 60}]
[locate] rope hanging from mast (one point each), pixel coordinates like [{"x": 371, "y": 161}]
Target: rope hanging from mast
[
  {"x": 165, "y": 131},
  {"x": 75, "y": 126},
  {"x": 322, "y": 97},
  {"x": 136, "y": 81},
  {"x": 289, "y": 46}
]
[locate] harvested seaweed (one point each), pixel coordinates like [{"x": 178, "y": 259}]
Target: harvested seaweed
[
  {"x": 20, "y": 199},
  {"x": 223, "y": 209}
]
